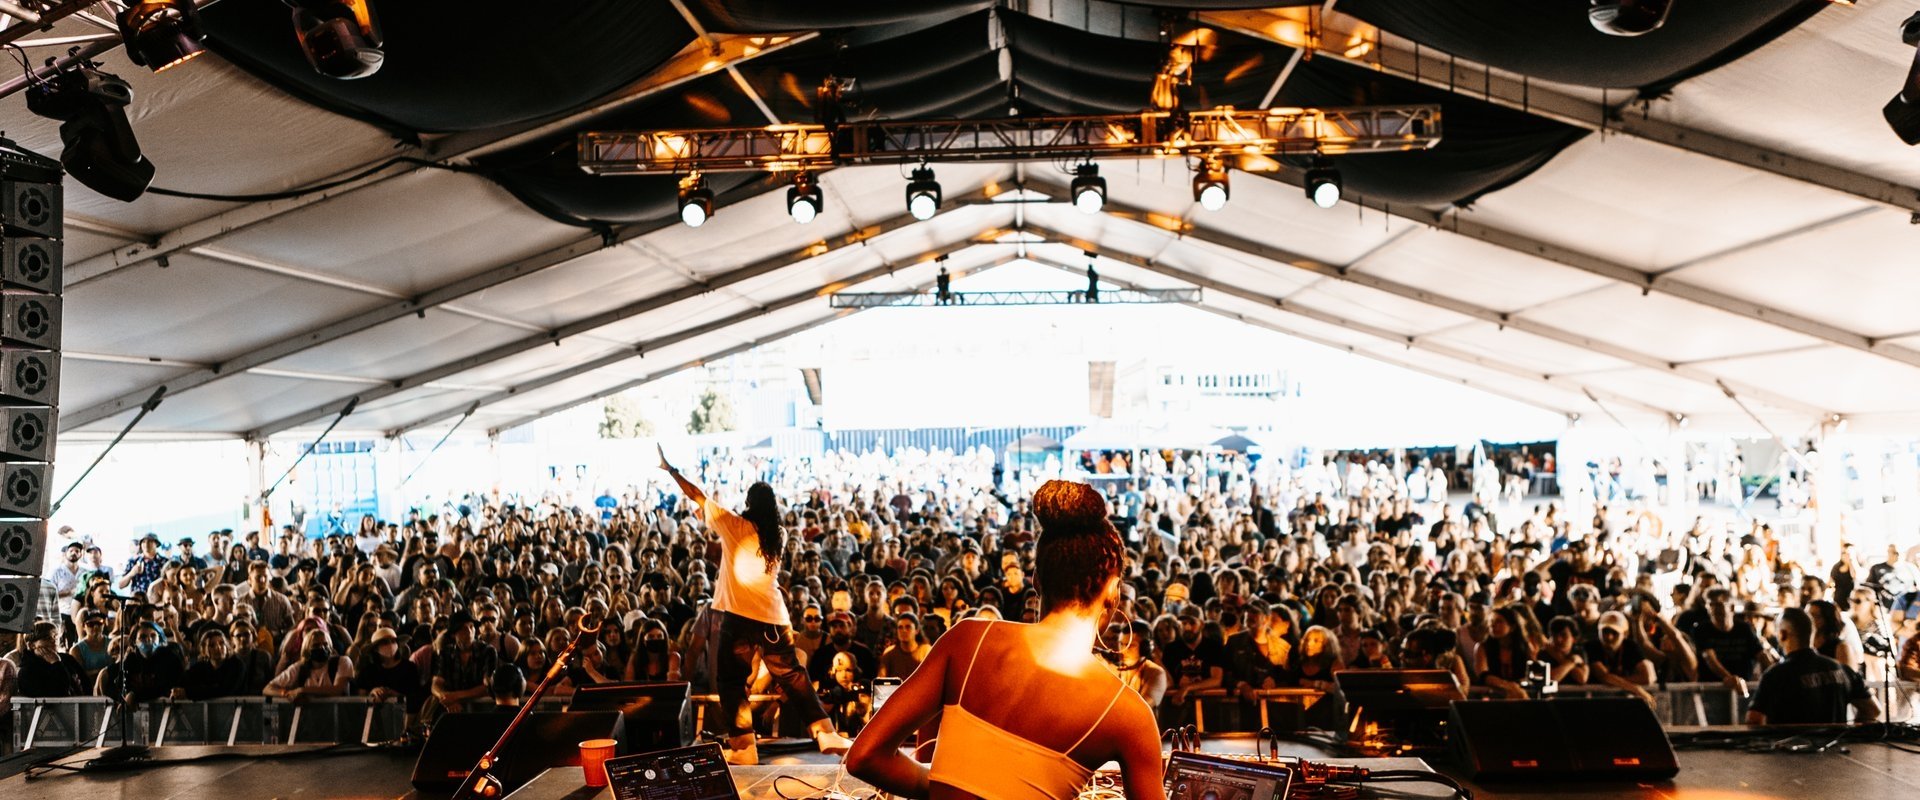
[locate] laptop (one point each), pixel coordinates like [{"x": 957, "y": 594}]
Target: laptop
[
  {"x": 684, "y": 773},
  {"x": 1193, "y": 776}
]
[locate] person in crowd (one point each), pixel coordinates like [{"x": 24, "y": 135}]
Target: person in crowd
[
  {"x": 846, "y": 694},
  {"x": 216, "y": 674},
  {"x": 462, "y": 665},
  {"x": 1194, "y": 663},
  {"x": 149, "y": 669},
  {"x": 506, "y": 688},
  {"x": 384, "y": 673},
  {"x": 990, "y": 744},
  {"x": 1730, "y": 651},
  {"x": 44, "y": 671},
  {"x": 1615, "y": 659},
  {"x": 907, "y": 649},
  {"x": 320, "y": 672},
  {"x": 756, "y": 623},
  {"x": 653, "y": 659},
  {"x": 90, "y": 651},
  {"x": 144, "y": 568},
  {"x": 1126, "y": 648},
  {"x": 1501, "y": 660},
  {"x": 1806, "y": 686}
]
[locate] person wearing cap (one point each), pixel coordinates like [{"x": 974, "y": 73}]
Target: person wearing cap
[
  {"x": 145, "y": 567},
  {"x": 1729, "y": 650},
  {"x": 1615, "y": 659},
  {"x": 184, "y": 555},
  {"x": 385, "y": 673}
]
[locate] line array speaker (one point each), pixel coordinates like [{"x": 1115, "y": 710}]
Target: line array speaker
[{"x": 31, "y": 281}]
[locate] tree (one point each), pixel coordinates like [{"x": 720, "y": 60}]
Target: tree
[
  {"x": 712, "y": 414},
  {"x": 623, "y": 419}
]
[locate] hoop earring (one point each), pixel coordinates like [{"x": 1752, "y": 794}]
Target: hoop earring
[{"x": 1127, "y": 625}]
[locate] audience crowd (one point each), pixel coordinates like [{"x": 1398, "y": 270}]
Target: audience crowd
[{"x": 1240, "y": 579}]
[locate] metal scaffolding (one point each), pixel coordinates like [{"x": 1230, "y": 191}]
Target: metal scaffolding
[{"x": 1034, "y": 298}]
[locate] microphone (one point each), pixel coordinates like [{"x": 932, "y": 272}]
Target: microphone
[{"x": 589, "y": 635}]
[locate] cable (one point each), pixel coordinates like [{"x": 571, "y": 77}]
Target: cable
[{"x": 310, "y": 189}]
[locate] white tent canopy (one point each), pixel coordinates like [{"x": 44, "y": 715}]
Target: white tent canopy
[{"x": 1627, "y": 279}]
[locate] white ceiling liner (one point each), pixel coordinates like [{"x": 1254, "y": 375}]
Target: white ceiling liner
[{"x": 1788, "y": 246}]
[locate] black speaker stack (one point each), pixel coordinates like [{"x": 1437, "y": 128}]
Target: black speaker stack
[
  {"x": 1562, "y": 739},
  {"x": 30, "y": 287}
]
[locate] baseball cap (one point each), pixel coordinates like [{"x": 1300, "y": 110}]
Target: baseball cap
[{"x": 384, "y": 635}]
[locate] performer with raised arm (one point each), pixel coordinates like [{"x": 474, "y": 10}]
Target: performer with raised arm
[
  {"x": 754, "y": 618},
  {"x": 1027, "y": 711}
]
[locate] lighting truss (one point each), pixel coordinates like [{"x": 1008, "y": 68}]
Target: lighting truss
[
  {"x": 1147, "y": 134},
  {"x": 1019, "y": 298}
]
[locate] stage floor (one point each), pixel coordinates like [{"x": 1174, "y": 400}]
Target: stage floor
[{"x": 1863, "y": 772}]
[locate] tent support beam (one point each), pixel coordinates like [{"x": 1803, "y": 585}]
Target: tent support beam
[
  {"x": 641, "y": 349},
  {"x": 856, "y": 238},
  {"x": 739, "y": 348},
  {"x": 1425, "y": 297},
  {"x": 692, "y": 62},
  {"x": 1441, "y": 71},
  {"x": 1375, "y": 331},
  {"x": 1327, "y": 343}
]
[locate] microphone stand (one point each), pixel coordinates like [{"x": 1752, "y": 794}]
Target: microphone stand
[{"x": 484, "y": 781}]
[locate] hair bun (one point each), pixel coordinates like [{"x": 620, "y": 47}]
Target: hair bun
[{"x": 1065, "y": 504}]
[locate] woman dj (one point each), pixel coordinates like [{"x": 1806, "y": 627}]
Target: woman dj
[
  {"x": 754, "y": 618},
  {"x": 1027, "y": 711}
]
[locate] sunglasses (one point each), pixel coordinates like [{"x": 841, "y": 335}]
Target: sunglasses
[{"x": 810, "y": 619}]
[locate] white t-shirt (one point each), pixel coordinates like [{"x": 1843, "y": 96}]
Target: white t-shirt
[{"x": 745, "y": 587}]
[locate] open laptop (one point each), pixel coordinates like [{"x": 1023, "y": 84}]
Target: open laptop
[
  {"x": 684, "y": 773},
  {"x": 1193, "y": 776}
]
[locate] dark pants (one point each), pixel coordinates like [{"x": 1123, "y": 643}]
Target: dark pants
[{"x": 740, "y": 639}]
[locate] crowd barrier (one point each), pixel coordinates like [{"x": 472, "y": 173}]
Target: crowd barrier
[
  {"x": 100, "y": 722},
  {"x": 1677, "y": 704}
]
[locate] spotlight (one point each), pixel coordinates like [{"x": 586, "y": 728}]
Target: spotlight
[
  {"x": 101, "y": 151},
  {"x": 1323, "y": 184},
  {"x": 1903, "y": 111},
  {"x": 1210, "y": 185},
  {"x": 923, "y": 194},
  {"x": 804, "y": 200},
  {"x": 161, "y": 34},
  {"x": 696, "y": 200},
  {"x": 1089, "y": 189},
  {"x": 1628, "y": 17},
  {"x": 341, "y": 38}
]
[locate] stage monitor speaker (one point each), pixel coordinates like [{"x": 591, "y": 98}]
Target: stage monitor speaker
[
  {"x": 1602, "y": 738},
  {"x": 29, "y": 207},
  {"x": 659, "y": 716},
  {"x": 29, "y": 377},
  {"x": 30, "y": 319},
  {"x": 23, "y": 491},
  {"x": 26, "y": 433},
  {"x": 31, "y": 263},
  {"x": 19, "y": 599},
  {"x": 23, "y": 545},
  {"x": 547, "y": 739}
]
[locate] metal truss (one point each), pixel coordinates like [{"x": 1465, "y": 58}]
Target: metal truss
[
  {"x": 1148, "y": 134},
  {"x": 1028, "y": 298}
]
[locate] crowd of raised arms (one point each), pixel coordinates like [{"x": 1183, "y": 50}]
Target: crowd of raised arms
[{"x": 1239, "y": 580}]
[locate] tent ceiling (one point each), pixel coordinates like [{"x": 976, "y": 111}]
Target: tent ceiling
[{"x": 1513, "y": 258}]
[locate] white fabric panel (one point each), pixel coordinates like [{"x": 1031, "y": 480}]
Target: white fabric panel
[
  {"x": 1320, "y": 331},
  {"x": 402, "y": 347},
  {"x": 1240, "y": 269},
  {"x": 1372, "y": 306},
  {"x": 1823, "y": 85},
  {"x": 1651, "y": 206},
  {"x": 1468, "y": 269},
  {"x": 198, "y": 310},
  {"x": 1521, "y": 349},
  {"x": 83, "y": 382},
  {"x": 243, "y": 402},
  {"x": 597, "y": 282},
  {"x": 1542, "y": 395},
  {"x": 1854, "y": 274},
  {"x": 77, "y": 244},
  {"x": 410, "y": 234},
  {"x": 1663, "y": 326},
  {"x": 1666, "y": 390},
  {"x": 1107, "y": 231},
  {"x": 387, "y": 412},
  {"x": 1833, "y": 377}
]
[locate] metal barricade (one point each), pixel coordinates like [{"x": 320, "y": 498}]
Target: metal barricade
[{"x": 98, "y": 721}]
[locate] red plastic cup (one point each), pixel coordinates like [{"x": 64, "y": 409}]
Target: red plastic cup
[{"x": 593, "y": 759}]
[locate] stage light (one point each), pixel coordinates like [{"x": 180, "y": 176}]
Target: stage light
[
  {"x": 100, "y": 149},
  {"x": 1089, "y": 189},
  {"x": 1903, "y": 111},
  {"x": 1628, "y": 17},
  {"x": 161, "y": 34},
  {"x": 804, "y": 200},
  {"x": 1323, "y": 184},
  {"x": 1210, "y": 185},
  {"x": 923, "y": 194},
  {"x": 342, "y": 38},
  {"x": 696, "y": 200}
]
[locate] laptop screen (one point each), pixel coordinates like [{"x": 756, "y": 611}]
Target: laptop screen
[
  {"x": 685, "y": 773},
  {"x": 1191, "y": 776}
]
